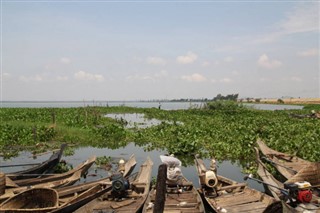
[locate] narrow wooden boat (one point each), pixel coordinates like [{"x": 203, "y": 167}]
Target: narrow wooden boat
[
  {"x": 67, "y": 199},
  {"x": 310, "y": 173},
  {"x": 73, "y": 197},
  {"x": 283, "y": 207},
  {"x": 268, "y": 178},
  {"x": 180, "y": 196},
  {"x": 83, "y": 167},
  {"x": 123, "y": 196},
  {"x": 225, "y": 195},
  {"x": 41, "y": 168},
  {"x": 301, "y": 208},
  {"x": 273, "y": 186},
  {"x": 287, "y": 165},
  {"x": 33, "y": 200},
  {"x": 67, "y": 180},
  {"x": 76, "y": 189}
]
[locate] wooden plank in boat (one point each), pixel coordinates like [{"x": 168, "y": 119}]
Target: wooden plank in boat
[
  {"x": 235, "y": 200},
  {"x": 247, "y": 206}
]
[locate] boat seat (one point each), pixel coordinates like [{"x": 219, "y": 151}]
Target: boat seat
[
  {"x": 175, "y": 184},
  {"x": 138, "y": 184},
  {"x": 232, "y": 187}
]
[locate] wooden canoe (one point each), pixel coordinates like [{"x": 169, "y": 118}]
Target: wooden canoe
[
  {"x": 44, "y": 167},
  {"x": 287, "y": 165},
  {"x": 33, "y": 200},
  {"x": 131, "y": 201},
  {"x": 301, "y": 208},
  {"x": 230, "y": 196},
  {"x": 68, "y": 180},
  {"x": 178, "y": 196},
  {"x": 33, "y": 181},
  {"x": 268, "y": 178},
  {"x": 73, "y": 197},
  {"x": 70, "y": 198},
  {"x": 310, "y": 173},
  {"x": 283, "y": 207},
  {"x": 76, "y": 189}
]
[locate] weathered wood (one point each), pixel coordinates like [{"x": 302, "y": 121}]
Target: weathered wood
[
  {"x": 107, "y": 201},
  {"x": 32, "y": 200},
  {"x": 268, "y": 178},
  {"x": 180, "y": 197},
  {"x": 161, "y": 189},
  {"x": 310, "y": 173},
  {"x": 287, "y": 165},
  {"x": 2, "y": 183},
  {"x": 232, "y": 196},
  {"x": 83, "y": 167},
  {"x": 43, "y": 167}
]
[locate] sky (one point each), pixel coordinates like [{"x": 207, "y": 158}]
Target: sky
[{"x": 147, "y": 50}]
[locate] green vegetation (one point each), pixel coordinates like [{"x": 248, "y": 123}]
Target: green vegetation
[{"x": 222, "y": 129}]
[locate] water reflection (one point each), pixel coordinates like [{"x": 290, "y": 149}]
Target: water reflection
[
  {"x": 132, "y": 120},
  {"x": 137, "y": 120},
  {"x": 225, "y": 168}
]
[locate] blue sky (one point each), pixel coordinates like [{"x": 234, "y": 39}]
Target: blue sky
[{"x": 141, "y": 50}]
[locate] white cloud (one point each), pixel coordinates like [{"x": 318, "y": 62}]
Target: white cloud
[
  {"x": 235, "y": 72},
  {"x": 303, "y": 18},
  {"x": 62, "y": 78},
  {"x": 264, "y": 79},
  {"x": 196, "y": 77},
  {"x": 265, "y": 62},
  {"x": 205, "y": 64},
  {"x": 213, "y": 80},
  {"x": 139, "y": 78},
  {"x": 226, "y": 80},
  {"x": 162, "y": 73},
  {"x": 189, "y": 58},
  {"x": 156, "y": 61},
  {"x": 82, "y": 75},
  {"x": 295, "y": 79},
  {"x": 5, "y": 76},
  {"x": 228, "y": 59},
  {"x": 308, "y": 53},
  {"x": 31, "y": 78},
  {"x": 65, "y": 60}
]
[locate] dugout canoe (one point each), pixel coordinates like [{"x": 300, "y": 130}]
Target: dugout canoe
[
  {"x": 308, "y": 172},
  {"x": 69, "y": 198},
  {"x": 76, "y": 189},
  {"x": 35, "y": 200},
  {"x": 68, "y": 180},
  {"x": 44, "y": 167},
  {"x": 225, "y": 195},
  {"x": 73, "y": 197},
  {"x": 287, "y": 165},
  {"x": 83, "y": 167},
  {"x": 121, "y": 196},
  {"x": 175, "y": 196},
  {"x": 268, "y": 178}
]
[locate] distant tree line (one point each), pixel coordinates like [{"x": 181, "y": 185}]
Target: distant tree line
[{"x": 231, "y": 97}]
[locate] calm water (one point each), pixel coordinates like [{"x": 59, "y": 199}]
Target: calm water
[
  {"x": 64, "y": 104},
  {"x": 225, "y": 168},
  {"x": 163, "y": 105}
]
